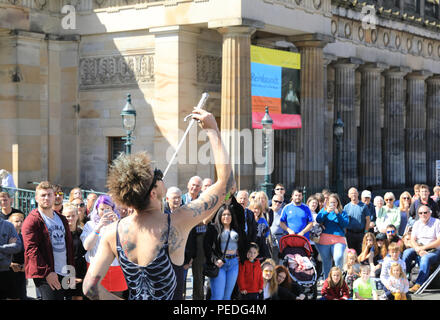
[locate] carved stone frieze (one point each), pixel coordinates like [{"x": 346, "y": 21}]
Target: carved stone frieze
[
  {"x": 116, "y": 71},
  {"x": 385, "y": 38},
  {"x": 209, "y": 71}
]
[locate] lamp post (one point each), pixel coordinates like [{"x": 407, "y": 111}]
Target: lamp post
[
  {"x": 267, "y": 123},
  {"x": 338, "y": 131},
  {"x": 128, "y": 115}
]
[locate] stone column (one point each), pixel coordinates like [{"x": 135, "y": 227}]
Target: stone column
[
  {"x": 236, "y": 102},
  {"x": 310, "y": 160},
  {"x": 393, "y": 151},
  {"x": 370, "y": 150},
  {"x": 10, "y": 75},
  {"x": 345, "y": 104},
  {"x": 415, "y": 156},
  {"x": 175, "y": 90},
  {"x": 433, "y": 127}
]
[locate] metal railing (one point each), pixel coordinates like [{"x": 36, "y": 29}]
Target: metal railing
[{"x": 24, "y": 199}]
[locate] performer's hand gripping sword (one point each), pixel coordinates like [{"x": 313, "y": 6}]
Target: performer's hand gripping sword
[{"x": 200, "y": 105}]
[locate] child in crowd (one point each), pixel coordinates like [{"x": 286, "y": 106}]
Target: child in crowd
[
  {"x": 250, "y": 276},
  {"x": 397, "y": 282},
  {"x": 334, "y": 287},
  {"x": 393, "y": 257},
  {"x": 351, "y": 269},
  {"x": 370, "y": 254},
  {"x": 364, "y": 288}
]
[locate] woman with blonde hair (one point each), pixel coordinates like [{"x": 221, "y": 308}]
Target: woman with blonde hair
[
  {"x": 270, "y": 287},
  {"x": 332, "y": 242},
  {"x": 404, "y": 205},
  {"x": 263, "y": 229}
]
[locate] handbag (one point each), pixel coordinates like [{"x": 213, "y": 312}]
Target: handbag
[{"x": 210, "y": 270}]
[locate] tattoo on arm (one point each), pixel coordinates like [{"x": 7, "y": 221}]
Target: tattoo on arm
[
  {"x": 230, "y": 182},
  {"x": 93, "y": 290}
]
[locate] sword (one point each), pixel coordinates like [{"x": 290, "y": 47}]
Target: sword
[{"x": 200, "y": 105}]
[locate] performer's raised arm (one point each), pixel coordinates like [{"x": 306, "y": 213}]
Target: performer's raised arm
[{"x": 213, "y": 197}]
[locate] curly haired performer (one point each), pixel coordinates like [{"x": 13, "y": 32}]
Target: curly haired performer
[{"x": 148, "y": 242}]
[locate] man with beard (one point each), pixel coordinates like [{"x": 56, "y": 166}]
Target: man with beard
[
  {"x": 48, "y": 246},
  {"x": 296, "y": 217},
  {"x": 59, "y": 196}
]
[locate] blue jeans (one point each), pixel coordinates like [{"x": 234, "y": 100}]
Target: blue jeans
[
  {"x": 425, "y": 262},
  {"x": 330, "y": 253},
  {"x": 223, "y": 285}
]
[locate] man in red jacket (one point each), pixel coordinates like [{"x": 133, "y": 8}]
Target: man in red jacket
[
  {"x": 250, "y": 277},
  {"x": 48, "y": 246}
]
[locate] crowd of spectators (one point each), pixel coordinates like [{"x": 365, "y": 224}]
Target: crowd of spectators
[{"x": 368, "y": 248}]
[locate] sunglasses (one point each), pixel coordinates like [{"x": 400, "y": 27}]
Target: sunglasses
[
  {"x": 277, "y": 189},
  {"x": 423, "y": 212},
  {"x": 276, "y": 201},
  {"x": 391, "y": 231},
  {"x": 80, "y": 205},
  {"x": 406, "y": 198},
  {"x": 389, "y": 199},
  {"x": 157, "y": 176},
  {"x": 268, "y": 271}
]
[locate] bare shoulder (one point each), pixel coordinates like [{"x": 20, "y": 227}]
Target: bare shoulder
[{"x": 174, "y": 234}]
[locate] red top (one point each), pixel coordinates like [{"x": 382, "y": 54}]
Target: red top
[
  {"x": 335, "y": 293},
  {"x": 38, "y": 252},
  {"x": 250, "y": 276}
]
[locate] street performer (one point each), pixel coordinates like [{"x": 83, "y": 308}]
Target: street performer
[{"x": 148, "y": 242}]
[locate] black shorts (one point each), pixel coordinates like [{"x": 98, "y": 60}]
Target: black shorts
[{"x": 5, "y": 284}]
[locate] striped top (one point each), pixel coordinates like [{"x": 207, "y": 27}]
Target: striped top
[{"x": 156, "y": 281}]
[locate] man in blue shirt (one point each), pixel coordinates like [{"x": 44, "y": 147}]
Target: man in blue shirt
[
  {"x": 296, "y": 217},
  {"x": 359, "y": 221}
]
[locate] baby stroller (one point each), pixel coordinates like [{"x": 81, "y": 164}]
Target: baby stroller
[{"x": 296, "y": 255}]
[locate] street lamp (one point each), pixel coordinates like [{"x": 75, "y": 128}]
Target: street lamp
[
  {"x": 338, "y": 131},
  {"x": 267, "y": 123},
  {"x": 128, "y": 115}
]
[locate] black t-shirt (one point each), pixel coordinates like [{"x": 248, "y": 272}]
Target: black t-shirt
[{"x": 6, "y": 216}]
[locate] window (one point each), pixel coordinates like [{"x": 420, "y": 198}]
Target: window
[{"x": 116, "y": 146}]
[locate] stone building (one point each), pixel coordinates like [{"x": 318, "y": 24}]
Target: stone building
[{"x": 66, "y": 67}]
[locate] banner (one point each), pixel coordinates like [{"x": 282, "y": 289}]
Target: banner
[{"x": 275, "y": 83}]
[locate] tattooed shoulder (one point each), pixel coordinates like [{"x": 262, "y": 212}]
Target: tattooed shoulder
[
  {"x": 126, "y": 240},
  {"x": 174, "y": 237}
]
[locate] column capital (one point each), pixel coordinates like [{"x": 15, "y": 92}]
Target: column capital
[
  {"x": 347, "y": 62},
  {"x": 435, "y": 78},
  {"x": 397, "y": 71},
  {"x": 319, "y": 40},
  {"x": 419, "y": 75},
  {"x": 373, "y": 66},
  {"x": 236, "y": 25}
]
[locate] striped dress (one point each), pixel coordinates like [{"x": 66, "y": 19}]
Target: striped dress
[{"x": 156, "y": 281}]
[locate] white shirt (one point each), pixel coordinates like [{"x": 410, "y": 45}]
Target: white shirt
[
  {"x": 89, "y": 228},
  {"x": 426, "y": 233}
]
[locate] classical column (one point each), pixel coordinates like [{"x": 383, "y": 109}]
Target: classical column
[
  {"x": 393, "y": 155},
  {"x": 370, "y": 150},
  {"x": 432, "y": 127},
  {"x": 175, "y": 73},
  {"x": 345, "y": 104},
  {"x": 236, "y": 103},
  {"x": 10, "y": 76},
  {"x": 310, "y": 160},
  {"x": 415, "y": 156}
]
